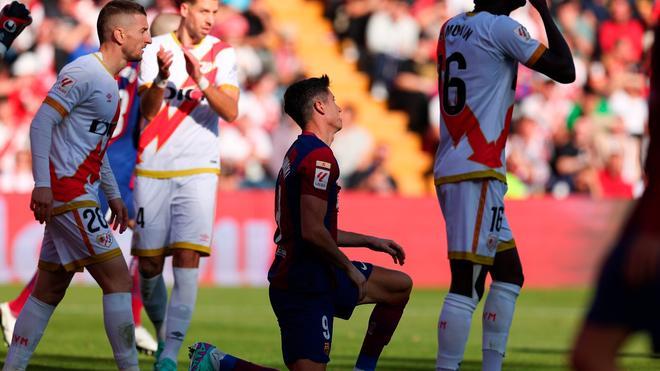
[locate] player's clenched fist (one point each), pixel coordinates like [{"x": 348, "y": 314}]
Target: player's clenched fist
[
  {"x": 165, "y": 58},
  {"x": 14, "y": 18},
  {"x": 41, "y": 204}
]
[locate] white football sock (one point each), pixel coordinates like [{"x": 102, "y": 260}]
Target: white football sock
[
  {"x": 179, "y": 313},
  {"x": 498, "y": 314},
  {"x": 119, "y": 326},
  {"x": 453, "y": 330},
  {"x": 154, "y": 299},
  {"x": 30, "y": 326}
]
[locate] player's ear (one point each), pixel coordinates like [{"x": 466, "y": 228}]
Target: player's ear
[
  {"x": 184, "y": 9},
  {"x": 319, "y": 107},
  {"x": 119, "y": 35}
]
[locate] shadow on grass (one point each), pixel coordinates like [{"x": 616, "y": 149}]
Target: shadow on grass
[
  {"x": 51, "y": 362},
  {"x": 566, "y": 352},
  {"x": 413, "y": 364}
]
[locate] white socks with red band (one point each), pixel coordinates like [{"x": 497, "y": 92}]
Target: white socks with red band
[
  {"x": 453, "y": 330},
  {"x": 497, "y": 317},
  {"x": 29, "y": 328}
]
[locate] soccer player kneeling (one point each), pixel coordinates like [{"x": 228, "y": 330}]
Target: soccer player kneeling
[{"x": 311, "y": 280}]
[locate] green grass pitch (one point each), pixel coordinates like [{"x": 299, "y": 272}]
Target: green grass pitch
[{"x": 240, "y": 321}]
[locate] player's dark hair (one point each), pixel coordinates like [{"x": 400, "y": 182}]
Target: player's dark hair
[
  {"x": 299, "y": 98},
  {"x": 113, "y": 8}
]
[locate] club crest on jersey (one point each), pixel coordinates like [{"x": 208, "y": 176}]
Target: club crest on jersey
[
  {"x": 522, "y": 33},
  {"x": 102, "y": 127},
  {"x": 321, "y": 178},
  {"x": 104, "y": 239},
  {"x": 65, "y": 84},
  {"x": 491, "y": 242}
]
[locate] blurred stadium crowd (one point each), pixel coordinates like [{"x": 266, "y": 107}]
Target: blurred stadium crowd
[{"x": 587, "y": 137}]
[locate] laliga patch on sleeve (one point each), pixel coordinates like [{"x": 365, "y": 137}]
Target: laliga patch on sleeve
[
  {"x": 65, "y": 84},
  {"x": 323, "y": 164},
  {"x": 321, "y": 178},
  {"x": 522, "y": 33}
]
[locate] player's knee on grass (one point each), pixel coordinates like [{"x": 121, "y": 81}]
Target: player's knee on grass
[
  {"x": 151, "y": 266},
  {"x": 464, "y": 281},
  {"x": 182, "y": 258},
  {"x": 508, "y": 268}
]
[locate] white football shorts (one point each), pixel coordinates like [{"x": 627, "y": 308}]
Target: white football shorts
[
  {"x": 174, "y": 213},
  {"x": 77, "y": 238},
  {"x": 475, "y": 221}
]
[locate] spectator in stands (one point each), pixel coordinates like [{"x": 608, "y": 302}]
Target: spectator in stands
[
  {"x": 527, "y": 149},
  {"x": 622, "y": 27},
  {"x": 353, "y": 144},
  {"x": 373, "y": 176},
  {"x": 392, "y": 37},
  {"x": 611, "y": 180}
]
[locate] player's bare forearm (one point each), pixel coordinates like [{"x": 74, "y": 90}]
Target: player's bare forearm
[
  {"x": 150, "y": 101},
  {"x": 557, "y": 61},
  {"x": 352, "y": 239},
  {"x": 223, "y": 102},
  {"x": 315, "y": 233},
  {"x": 320, "y": 238}
]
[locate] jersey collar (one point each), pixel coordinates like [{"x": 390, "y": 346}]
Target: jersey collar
[
  {"x": 100, "y": 59},
  {"x": 176, "y": 40}
]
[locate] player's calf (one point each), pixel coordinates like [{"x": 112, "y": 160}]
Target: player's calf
[
  {"x": 467, "y": 288},
  {"x": 499, "y": 307},
  {"x": 390, "y": 290}
]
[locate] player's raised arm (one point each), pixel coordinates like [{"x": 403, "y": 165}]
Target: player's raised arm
[
  {"x": 14, "y": 18},
  {"x": 556, "y": 62},
  {"x": 158, "y": 71},
  {"x": 224, "y": 101}
]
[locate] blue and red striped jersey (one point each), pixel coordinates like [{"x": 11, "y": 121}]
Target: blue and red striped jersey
[{"x": 309, "y": 168}]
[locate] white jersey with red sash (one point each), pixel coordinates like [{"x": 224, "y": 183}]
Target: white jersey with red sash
[
  {"x": 87, "y": 97},
  {"x": 183, "y": 138},
  {"x": 478, "y": 55}
]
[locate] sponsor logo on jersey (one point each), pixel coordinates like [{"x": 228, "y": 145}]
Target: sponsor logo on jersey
[
  {"x": 323, "y": 164},
  {"x": 183, "y": 94},
  {"x": 321, "y": 179},
  {"x": 65, "y": 84},
  {"x": 108, "y": 97},
  {"x": 104, "y": 239},
  {"x": 102, "y": 127}
]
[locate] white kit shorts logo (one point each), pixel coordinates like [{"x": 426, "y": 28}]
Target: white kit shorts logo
[{"x": 321, "y": 179}]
